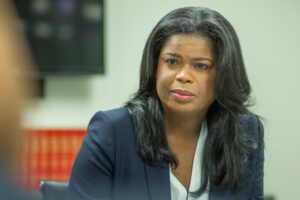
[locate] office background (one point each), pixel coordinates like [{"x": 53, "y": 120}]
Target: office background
[{"x": 269, "y": 33}]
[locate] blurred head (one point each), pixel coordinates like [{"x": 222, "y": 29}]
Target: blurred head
[
  {"x": 230, "y": 83},
  {"x": 14, "y": 86}
]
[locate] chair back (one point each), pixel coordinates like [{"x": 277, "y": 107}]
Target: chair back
[{"x": 54, "y": 190}]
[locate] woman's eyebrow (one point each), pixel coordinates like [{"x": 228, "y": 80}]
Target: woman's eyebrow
[
  {"x": 201, "y": 58},
  {"x": 195, "y": 59},
  {"x": 173, "y": 54}
]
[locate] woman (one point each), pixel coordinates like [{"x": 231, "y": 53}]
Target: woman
[{"x": 187, "y": 133}]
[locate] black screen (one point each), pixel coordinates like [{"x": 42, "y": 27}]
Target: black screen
[{"x": 65, "y": 36}]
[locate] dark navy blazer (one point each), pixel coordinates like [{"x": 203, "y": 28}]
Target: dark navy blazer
[{"x": 109, "y": 167}]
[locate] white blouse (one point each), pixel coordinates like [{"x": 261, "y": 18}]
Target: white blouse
[{"x": 178, "y": 191}]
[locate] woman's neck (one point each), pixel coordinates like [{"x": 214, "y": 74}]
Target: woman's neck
[{"x": 183, "y": 125}]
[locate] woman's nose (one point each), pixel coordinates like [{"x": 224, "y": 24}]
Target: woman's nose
[{"x": 183, "y": 75}]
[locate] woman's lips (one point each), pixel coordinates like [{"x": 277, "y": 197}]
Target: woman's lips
[{"x": 182, "y": 95}]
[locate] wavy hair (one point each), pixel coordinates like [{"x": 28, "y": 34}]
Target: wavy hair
[{"x": 225, "y": 147}]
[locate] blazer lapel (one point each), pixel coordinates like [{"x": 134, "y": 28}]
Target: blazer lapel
[{"x": 158, "y": 180}]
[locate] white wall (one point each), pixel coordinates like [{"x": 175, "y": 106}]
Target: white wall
[{"x": 269, "y": 33}]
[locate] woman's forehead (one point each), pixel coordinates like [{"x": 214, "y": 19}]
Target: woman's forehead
[{"x": 193, "y": 46}]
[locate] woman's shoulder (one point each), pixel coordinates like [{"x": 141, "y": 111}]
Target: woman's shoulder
[
  {"x": 253, "y": 130},
  {"x": 114, "y": 115},
  {"x": 250, "y": 121},
  {"x": 110, "y": 119},
  {"x": 109, "y": 125}
]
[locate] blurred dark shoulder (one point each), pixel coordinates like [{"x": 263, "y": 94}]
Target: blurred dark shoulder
[{"x": 10, "y": 191}]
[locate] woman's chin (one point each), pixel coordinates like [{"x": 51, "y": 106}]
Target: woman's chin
[{"x": 184, "y": 109}]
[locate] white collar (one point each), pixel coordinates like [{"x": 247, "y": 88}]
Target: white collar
[{"x": 178, "y": 191}]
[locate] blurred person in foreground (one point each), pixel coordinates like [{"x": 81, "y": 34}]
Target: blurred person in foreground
[
  {"x": 14, "y": 87},
  {"x": 187, "y": 134}
]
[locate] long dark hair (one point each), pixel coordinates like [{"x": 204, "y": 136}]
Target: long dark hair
[{"x": 226, "y": 147}]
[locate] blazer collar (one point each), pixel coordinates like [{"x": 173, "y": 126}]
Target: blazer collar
[{"x": 158, "y": 179}]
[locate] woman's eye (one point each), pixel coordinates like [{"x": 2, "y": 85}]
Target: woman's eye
[
  {"x": 172, "y": 62},
  {"x": 201, "y": 66}
]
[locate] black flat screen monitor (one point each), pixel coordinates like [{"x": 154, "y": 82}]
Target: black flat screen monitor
[{"x": 65, "y": 36}]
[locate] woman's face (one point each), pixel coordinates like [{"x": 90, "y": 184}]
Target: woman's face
[{"x": 186, "y": 74}]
